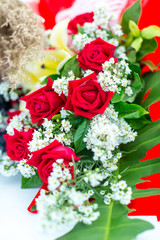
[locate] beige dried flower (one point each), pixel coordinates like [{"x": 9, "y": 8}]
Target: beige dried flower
[{"x": 21, "y": 38}]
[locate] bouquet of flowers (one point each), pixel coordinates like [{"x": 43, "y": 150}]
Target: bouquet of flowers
[{"x": 85, "y": 129}]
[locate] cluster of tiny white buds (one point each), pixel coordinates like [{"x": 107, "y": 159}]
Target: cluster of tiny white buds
[
  {"x": 60, "y": 85},
  {"x": 25, "y": 169},
  {"x": 8, "y": 167}
]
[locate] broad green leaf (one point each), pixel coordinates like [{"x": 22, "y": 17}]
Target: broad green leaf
[
  {"x": 53, "y": 77},
  {"x": 142, "y": 169},
  {"x": 31, "y": 182},
  {"x": 76, "y": 121},
  {"x": 147, "y": 138},
  {"x": 145, "y": 192},
  {"x": 117, "y": 97},
  {"x": 133, "y": 13},
  {"x": 148, "y": 46},
  {"x": 134, "y": 28},
  {"x": 135, "y": 67},
  {"x": 113, "y": 224},
  {"x": 132, "y": 56},
  {"x": 150, "y": 32},
  {"x": 80, "y": 134},
  {"x": 137, "y": 43},
  {"x": 129, "y": 111},
  {"x": 138, "y": 123},
  {"x": 152, "y": 83},
  {"x": 71, "y": 64}
]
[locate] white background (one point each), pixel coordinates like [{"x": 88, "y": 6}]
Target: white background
[{"x": 16, "y": 223}]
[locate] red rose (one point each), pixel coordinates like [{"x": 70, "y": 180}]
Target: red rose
[
  {"x": 17, "y": 145},
  {"x": 86, "y": 97},
  {"x": 94, "y": 54},
  {"x": 12, "y": 114},
  {"x": 44, "y": 158},
  {"x": 44, "y": 103},
  {"x": 81, "y": 20}
]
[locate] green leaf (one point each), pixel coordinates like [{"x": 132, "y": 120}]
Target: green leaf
[
  {"x": 113, "y": 224},
  {"x": 135, "y": 67},
  {"x": 142, "y": 169},
  {"x": 148, "y": 46},
  {"x": 71, "y": 64},
  {"x": 34, "y": 208},
  {"x": 134, "y": 28},
  {"x": 53, "y": 77},
  {"x": 136, "y": 88},
  {"x": 138, "y": 123},
  {"x": 80, "y": 134},
  {"x": 137, "y": 43},
  {"x": 31, "y": 182},
  {"x": 152, "y": 83},
  {"x": 129, "y": 111},
  {"x": 150, "y": 32},
  {"x": 76, "y": 121},
  {"x": 133, "y": 13},
  {"x": 147, "y": 138},
  {"x": 117, "y": 97},
  {"x": 132, "y": 55}
]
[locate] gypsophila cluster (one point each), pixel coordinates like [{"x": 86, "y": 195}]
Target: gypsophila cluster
[
  {"x": 26, "y": 170},
  {"x": 20, "y": 122},
  {"x": 102, "y": 27},
  {"x": 64, "y": 205},
  {"x": 49, "y": 131},
  {"x": 115, "y": 77},
  {"x": 104, "y": 136},
  {"x": 61, "y": 84},
  {"x": 8, "y": 167}
]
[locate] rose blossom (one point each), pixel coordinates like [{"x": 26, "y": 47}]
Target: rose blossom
[
  {"x": 81, "y": 20},
  {"x": 17, "y": 145},
  {"x": 44, "y": 158},
  {"x": 44, "y": 103},
  {"x": 87, "y": 98},
  {"x": 94, "y": 54}
]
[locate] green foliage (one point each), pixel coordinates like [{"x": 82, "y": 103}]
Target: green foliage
[
  {"x": 33, "y": 208},
  {"x": 113, "y": 224},
  {"x": 75, "y": 121},
  {"x": 137, "y": 44},
  {"x": 31, "y": 182},
  {"x": 152, "y": 83},
  {"x": 53, "y": 77},
  {"x": 134, "y": 28},
  {"x": 138, "y": 123},
  {"x": 131, "y": 55},
  {"x": 150, "y": 32},
  {"x": 136, "y": 88},
  {"x": 135, "y": 67},
  {"x": 117, "y": 97},
  {"x": 71, "y": 64},
  {"x": 129, "y": 111},
  {"x": 131, "y": 14},
  {"x": 148, "y": 46},
  {"x": 147, "y": 138},
  {"x": 80, "y": 134}
]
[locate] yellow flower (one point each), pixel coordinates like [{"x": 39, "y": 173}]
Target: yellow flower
[
  {"x": 52, "y": 60},
  {"x": 59, "y": 37}
]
